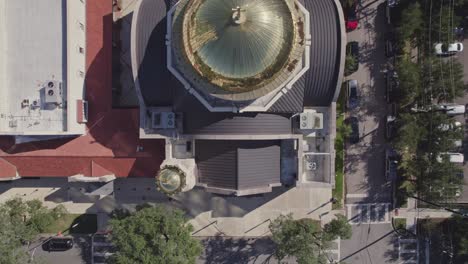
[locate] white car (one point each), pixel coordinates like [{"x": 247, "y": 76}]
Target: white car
[
  {"x": 453, "y": 157},
  {"x": 452, "y": 110},
  {"x": 444, "y": 49}
]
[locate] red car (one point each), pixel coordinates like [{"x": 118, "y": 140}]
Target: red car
[{"x": 350, "y": 14}]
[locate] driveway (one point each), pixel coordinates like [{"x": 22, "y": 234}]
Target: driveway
[{"x": 364, "y": 164}]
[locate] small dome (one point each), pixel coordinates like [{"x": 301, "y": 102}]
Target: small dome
[{"x": 170, "y": 179}]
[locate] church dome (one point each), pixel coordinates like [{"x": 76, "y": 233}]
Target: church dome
[{"x": 241, "y": 38}]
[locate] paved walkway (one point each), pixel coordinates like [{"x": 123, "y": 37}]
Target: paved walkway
[{"x": 210, "y": 214}]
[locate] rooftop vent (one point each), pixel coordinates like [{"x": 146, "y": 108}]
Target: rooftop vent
[
  {"x": 311, "y": 120},
  {"x": 53, "y": 92},
  {"x": 163, "y": 120}
]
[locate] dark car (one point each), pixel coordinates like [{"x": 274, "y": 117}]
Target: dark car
[
  {"x": 390, "y": 128},
  {"x": 391, "y": 85},
  {"x": 390, "y": 125},
  {"x": 352, "y": 49},
  {"x": 389, "y": 45},
  {"x": 351, "y": 17},
  {"x": 391, "y": 165},
  {"x": 352, "y": 94},
  {"x": 58, "y": 244},
  {"x": 353, "y": 122}
]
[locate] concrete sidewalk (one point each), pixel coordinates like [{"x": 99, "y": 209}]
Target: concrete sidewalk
[{"x": 210, "y": 214}]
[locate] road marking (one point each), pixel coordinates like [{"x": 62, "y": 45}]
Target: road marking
[
  {"x": 414, "y": 252},
  {"x": 357, "y": 195},
  {"x": 368, "y": 213}
]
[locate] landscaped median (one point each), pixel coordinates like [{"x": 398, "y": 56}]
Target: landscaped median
[
  {"x": 73, "y": 224},
  {"x": 339, "y": 150}
]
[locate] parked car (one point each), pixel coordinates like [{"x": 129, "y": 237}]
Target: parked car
[
  {"x": 389, "y": 45},
  {"x": 352, "y": 94},
  {"x": 352, "y": 49},
  {"x": 454, "y": 125},
  {"x": 392, "y": 3},
  {"x": 452, "y": 110},
  {"x": 391, "y": 164},
  {"x": 353, "y": 122},
  {"x": 448, "y": 49},
  {"x": 390, "y": 128},
  {"x": 58, "y": 244},
  {"x": 453, "y": 157},
  {"x": 392, "y": 84},
  {"x": 351, "y": 16}
]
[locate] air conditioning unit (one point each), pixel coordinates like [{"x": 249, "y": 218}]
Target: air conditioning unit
[
  {"x": 53, "y": 92},
  {"x": 163, "y": 120},
  {"x": 311, "y": 120}
]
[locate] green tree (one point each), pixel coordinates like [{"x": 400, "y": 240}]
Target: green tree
[
  {"x": 22, "y": 222},
  {"x": 297, "y": 238},
  {"x": 350, "y": 64},
  {"x": 410, "y": 82},
  {"x": 411, "y": 22},
  {"x": 338, "y": 227},
  {"x": 443, "y": 22},
  {"x": 153, "y": 235},
  {"x": 447, "y": 79},
  {"x": 438, "y": 180},
  {"x": 409, "y": 136}
]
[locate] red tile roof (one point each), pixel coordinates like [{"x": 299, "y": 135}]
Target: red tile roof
[
  {"x": 7, "y": 170},
  {"x": 111, "y": 142}
]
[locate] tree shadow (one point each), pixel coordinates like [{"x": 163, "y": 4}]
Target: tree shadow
[
  {"x": 84, "y": 244},
  {"x": 366, "y": 159},
  {"x": 219, "y": 249}
]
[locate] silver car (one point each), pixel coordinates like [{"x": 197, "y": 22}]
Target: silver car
[{"x": 352, "y": 94}]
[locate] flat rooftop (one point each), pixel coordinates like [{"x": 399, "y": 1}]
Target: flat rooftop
[
  {"x": 110, "y": 144},
  {"x": 36, "y": 49}
]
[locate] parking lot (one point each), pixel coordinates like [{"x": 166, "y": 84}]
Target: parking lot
[
  {"x": 463, "y": 59},
  {"x": 364, "y": 164}
]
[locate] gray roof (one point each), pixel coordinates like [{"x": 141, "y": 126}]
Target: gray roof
[
  {"x": 325, "y": 52},
  {"x": 199, "y": 120},
  {"x": 293, "y": 101},
  {"x": 157, "y": 84},
  {"x": 238, "y": 165},
  {"x": 316, "y": 88}
]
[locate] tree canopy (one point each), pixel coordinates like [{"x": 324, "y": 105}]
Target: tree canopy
[
  {"x": 411, "y": 22},
  {"x": 304, "y": 239},
  {"x": 338, "y": 227},
  {"x": 153, "y": 235},
  {"x": 21, "y": 222}
]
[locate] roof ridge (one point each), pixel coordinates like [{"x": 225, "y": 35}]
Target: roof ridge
[
  {"x": 98, "y": 170},
  {"x": 5, "y": 171}
]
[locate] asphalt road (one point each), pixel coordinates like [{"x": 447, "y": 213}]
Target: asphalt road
[
  {"x": 364, "y": 164},
  {"x": 368, "y": 191},
  {"x": 79, "y": 254},
  {"x": 237, "y": 250},
  {"x": 370, "y": 244}
]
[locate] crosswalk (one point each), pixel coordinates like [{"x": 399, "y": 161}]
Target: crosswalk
[
  {"x": 368, "y": 213},
  {"x": 333, "y": 253},
  {"x": 408, "y": 251}
]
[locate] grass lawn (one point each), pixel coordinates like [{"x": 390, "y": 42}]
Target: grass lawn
[
  {"x": 339, "y": 148},
  {"x": 87, "y": 224},
  {"x": 400, "y": 223}
]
